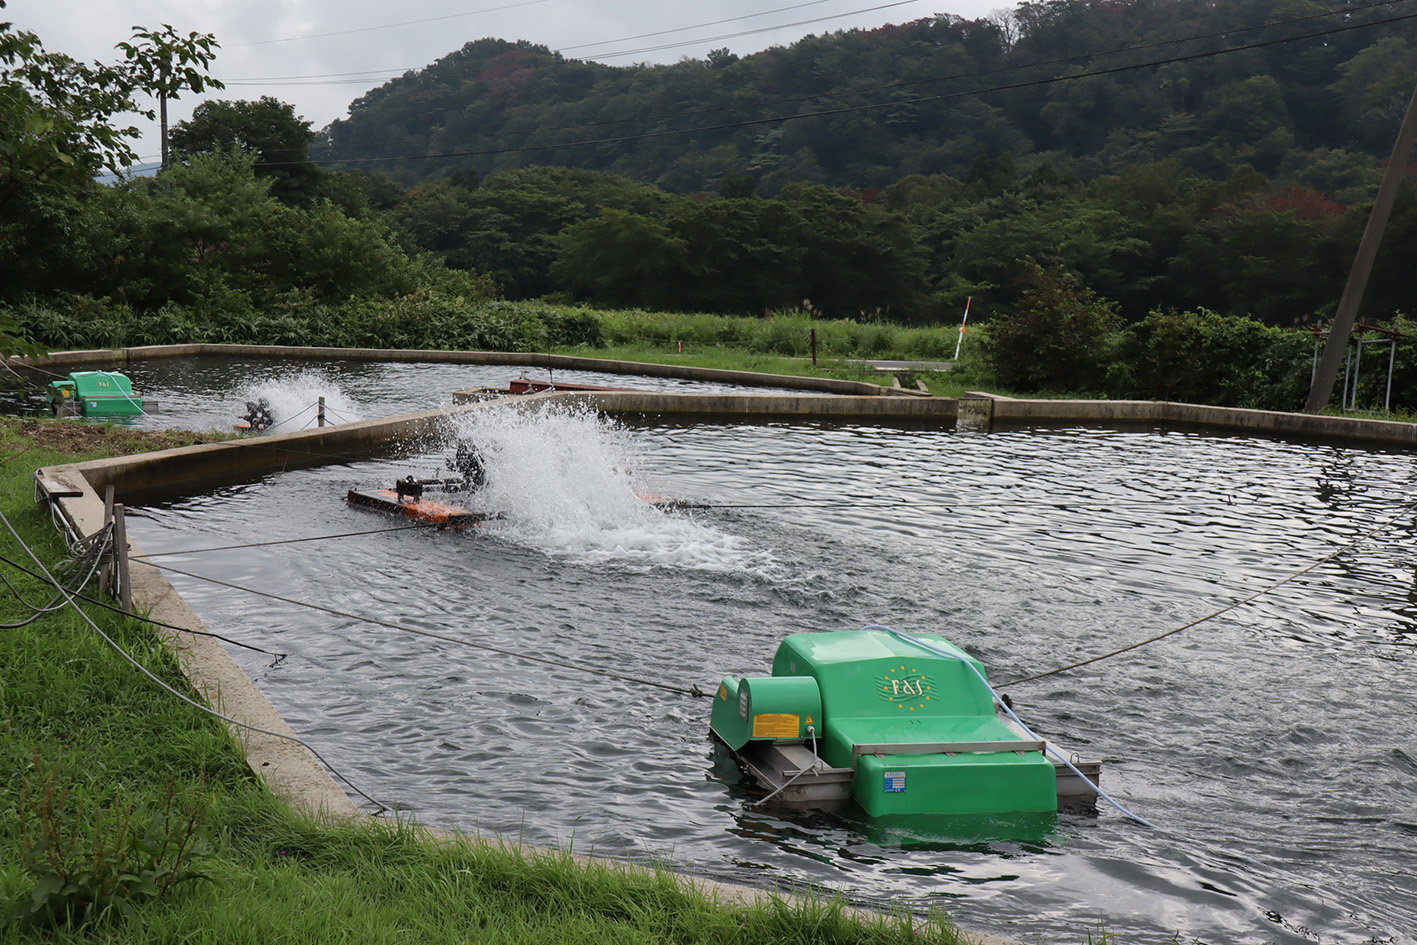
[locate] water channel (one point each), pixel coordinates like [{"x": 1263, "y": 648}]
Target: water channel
[{"x": 1276, "y": 745}]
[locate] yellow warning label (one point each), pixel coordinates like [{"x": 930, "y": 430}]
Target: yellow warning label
[
  {"x": 776, "y": 725},
  {"x": 722, "y": 691}
]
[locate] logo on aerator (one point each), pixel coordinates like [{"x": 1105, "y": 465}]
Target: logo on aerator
[{"x": 906, "y": 688}]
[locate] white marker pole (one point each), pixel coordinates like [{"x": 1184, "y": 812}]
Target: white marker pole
[{"x": 962, "y": 325}]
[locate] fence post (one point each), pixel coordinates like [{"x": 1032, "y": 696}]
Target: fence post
[
  {"x": 120, "y": 545},
  {"x": 320, "y": 414},
  {"x": 814, "y": 347},
  {"x": 105, "y": 576}
]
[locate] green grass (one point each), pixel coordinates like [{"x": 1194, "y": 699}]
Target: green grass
[{"x": 128, "y": 784}]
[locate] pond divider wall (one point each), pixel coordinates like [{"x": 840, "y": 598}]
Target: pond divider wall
[
  {"x": 987, "y": 411},
  {"x": 827, "y": 385}
]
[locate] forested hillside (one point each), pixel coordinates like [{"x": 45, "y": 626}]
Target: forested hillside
[{"x": 1303, "y": 92}]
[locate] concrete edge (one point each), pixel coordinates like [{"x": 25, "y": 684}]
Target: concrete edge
[
  {"x": 550, "y": 361},
  {"x": 290, "y": 770},
  {"x": 989, "y": 407},
  {"x": 725, "y": 407}
]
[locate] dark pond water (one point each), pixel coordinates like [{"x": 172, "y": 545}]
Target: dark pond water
[{"x": 1276, "y": 744}]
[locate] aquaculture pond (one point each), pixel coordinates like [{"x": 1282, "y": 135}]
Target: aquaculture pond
[
  {"x": 211, "y": 393},
  {"x": 1273, "y": 746}
]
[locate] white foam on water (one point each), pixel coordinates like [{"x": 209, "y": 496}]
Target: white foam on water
[
  {"x": 294, "y": 401},
  {"x": 566, "y": 480}
]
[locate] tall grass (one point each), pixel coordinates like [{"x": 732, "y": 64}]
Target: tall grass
[
  {"x": 788, "y": 334},
  {"x": 430, "y": 320}
]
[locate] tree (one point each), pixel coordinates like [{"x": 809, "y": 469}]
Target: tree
[
  {"x": 623, "y": 259},
  {"x": 269, "y": 129},
  {"x": 1061, "y": 338},
  {"x": 166, "y": 64},
  {"x": 56, "y": 113},
  {"x": 58, "y": 130}
]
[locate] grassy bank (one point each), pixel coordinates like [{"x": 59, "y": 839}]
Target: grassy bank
[
  {"x": 130, "y": 816},
  {"x": 782, "y": 343}
]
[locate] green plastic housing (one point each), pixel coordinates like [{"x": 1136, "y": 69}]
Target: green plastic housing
[
  {"x": 879, "y": 693},
  {"x": 96, "y": 394},
  {"x": 766, "y": 709}
]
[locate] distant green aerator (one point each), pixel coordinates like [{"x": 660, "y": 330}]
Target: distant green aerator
[
  {"x": 95, "y": 394},
  {"x": 901, "y": 729}
]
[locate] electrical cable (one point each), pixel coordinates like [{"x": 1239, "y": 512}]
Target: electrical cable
[
  {"x": 58, "y": 601},
  {"x": 113, "y": 644},
  {"x": 98, "y": 602},
  {"x": 403, "y": 628},
  {"x": 27, "y": 381},
  {"x": 697, "y": 26},
  {"x": 388, "y": 26},
  {"x": 1346, "y": 12},
  {"x": 765, "y": 29},
  {"x": 813, "y": 768},
  {"x": 126, "y": 396},
  {"x": 1377, "y": 529},
  {"x": 281, "y": 541}
]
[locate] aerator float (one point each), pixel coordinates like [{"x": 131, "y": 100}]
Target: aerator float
[
  {"x": 897, "y": 725},
  {"x": 406, "y": 497},
  {"x": 95, "y": 394}
]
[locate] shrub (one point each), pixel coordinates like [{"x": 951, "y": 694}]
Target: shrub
[
  {"x": 1063, "y": 337},
  {"x": 1204, "y": 357}
]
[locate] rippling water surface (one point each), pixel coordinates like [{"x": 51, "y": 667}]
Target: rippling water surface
[{"x": 1276, "y": 743}]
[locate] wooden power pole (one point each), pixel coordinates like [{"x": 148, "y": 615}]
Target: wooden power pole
[{"x": 1322, "y": 387}]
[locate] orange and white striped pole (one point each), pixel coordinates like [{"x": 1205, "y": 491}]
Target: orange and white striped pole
[{"x": 963, "y": 325}]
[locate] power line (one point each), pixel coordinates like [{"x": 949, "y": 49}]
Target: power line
[
  {"x": 340, "y": 78},
  {"x": 389, "y": 26},
  {"x": 682, "y": 29},
  {"x": 765, "y": 29}
]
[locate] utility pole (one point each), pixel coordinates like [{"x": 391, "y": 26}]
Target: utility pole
[
  {"x": 162, "y": 108},
  {"x": 1322, "y": 387}
]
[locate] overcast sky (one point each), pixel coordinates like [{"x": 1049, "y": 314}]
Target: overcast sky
[{"x": 319, "y": 55}]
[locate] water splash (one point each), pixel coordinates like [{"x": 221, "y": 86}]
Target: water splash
[
  {"x": 294, "y": 401},
  {"x": 567, "y": 481}
]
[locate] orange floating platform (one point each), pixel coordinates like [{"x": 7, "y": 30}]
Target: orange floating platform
[{"x": 423, "y": 510}]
